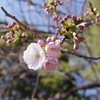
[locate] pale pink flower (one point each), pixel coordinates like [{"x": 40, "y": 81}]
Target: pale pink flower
[
  {"x": 50, "y": 64},
  {"x": 41, "y": 42},
  {"x": 52, "y": 49},
  {"x": 34, "y": 56}
]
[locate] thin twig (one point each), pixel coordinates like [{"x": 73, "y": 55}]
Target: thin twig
[
  {"x": 21, "y": 24},
  {"x": 78, "y": 55},
  {"x": 86, "y": 86},
  {"x": 36, "y": 85}
]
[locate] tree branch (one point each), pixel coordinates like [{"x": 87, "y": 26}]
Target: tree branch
[
  {"x": 78, "y": 55},
  {"x": 19, "y": 23},
  {"x": 86, "y": 86}
]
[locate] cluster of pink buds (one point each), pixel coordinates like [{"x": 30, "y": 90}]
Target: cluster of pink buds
[
  {"x": 58, "y": 2},
  {"x": 70, "y": 27},
  {"x": 9, "y": 26},
  {"x": 77, "y": 40},
  {"x": 7, "y": 38},
  {"x": 83, "y": 25},
  {"x": 97, "y": 16},
  {"x": 95, "y": 21},
  {"x": 56, "y": 18},
  {"x": 52, "y": 50},
  {"x": 50, "y": 7},
  {"x": 10, "y": 35},
  {"x": 73, "y": 17}
]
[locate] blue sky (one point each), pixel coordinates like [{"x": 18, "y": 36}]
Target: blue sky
[{"x": 3, "y": 4}]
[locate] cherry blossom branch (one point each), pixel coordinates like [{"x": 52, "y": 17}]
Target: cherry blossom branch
[
  {"x": 78, "y": 55},
  {"x": 86, "y": 86},
  {"x": 21, "y": 24}
]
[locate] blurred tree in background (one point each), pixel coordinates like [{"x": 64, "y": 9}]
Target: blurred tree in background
[{"x": 17, "y": 82}]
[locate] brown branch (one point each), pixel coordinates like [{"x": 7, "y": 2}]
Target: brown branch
[
  {"x": 21, "y": 24},
  {"x": 78, "y": 55},
  {"x": 86, "y": 86}
]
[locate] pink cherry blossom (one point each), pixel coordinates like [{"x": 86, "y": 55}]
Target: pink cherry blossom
[
  {"x": 41, "y": 42},
  {"x": 50, "y": 64},
  {"x": 34, "y": 56},
  {"x": 52, "y": 49}
]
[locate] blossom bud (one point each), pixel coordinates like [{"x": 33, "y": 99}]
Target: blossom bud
[
  {"x": 8, "y": 37},
  {"x": 96, "y": 21},
  {"x": 74, "y": 17},
  {"x": 2, "y": 37},
  {"x": 81, "y": 27},
  {"x": 97, "y": 15},
  {"x": 61, "y": 3},
  {"x": 81, "y": 39},
  {"x": 47, "y": 9},
  {"x": 85, "y": 24},
  {"x": 75, "y": 34},
  {"x": 62, "y": 21},
  {"x": 13, "y": 23},
  {"x": 58, "y": 30},
  {"x": 44, "y": 5},
  {"x": 76, "y": 40},
  {"x": 59, "y": 42},
  {"x": 58, "y": 2},
  {"x": 49, "y": 40},
  {"x": 59, "y": 18},
  {"x": 92, "y": 22},
  {"x": 11, "y": 33},
  {"x": 94, "y": 9},
  {"x": 53, "y": 38},
  {"x": 8, "y": 26},
  {"x": 50, "y": 8},
  {"x": 55, "y": 17},
  {"x": 76, "y": 47},
  {"x": 8, "y": 42},
  {"x": 86, "y": 13},
  {"x": 67, "y": 16},
  {"x": 41, "y": 42}
]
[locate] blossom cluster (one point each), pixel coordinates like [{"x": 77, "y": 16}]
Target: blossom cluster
[
  {"x": 10, "y": 34},
  {"x": 14, "y": 33},
  {"x": 35, "y": 57},
  {"x": 70, "y": 24},
  {"x": 70, "y": 27},
  {"x": 94, "y": 12},
  {"x": 50, "y": 6}
]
